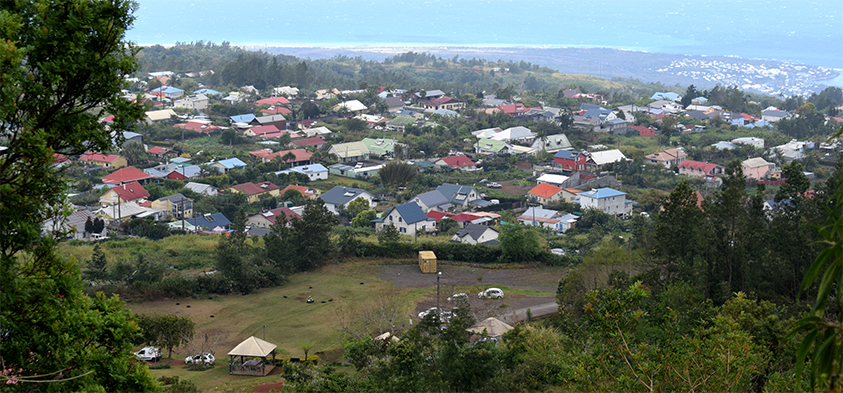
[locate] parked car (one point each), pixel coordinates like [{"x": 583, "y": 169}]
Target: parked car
[
  {"x": 444, "y": 316},
  {"x": 491, "y": 293},
  {"x": 201, "y": 358},
  {"x": 458, "y": 296},
  {"x": 149, "y": 354},
  {"x": 495, "y": 185}
]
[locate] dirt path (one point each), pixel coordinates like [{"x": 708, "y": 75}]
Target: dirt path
[{"x": 471, "y": 279}]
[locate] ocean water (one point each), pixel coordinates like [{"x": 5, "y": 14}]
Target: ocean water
[{"x": 807, "y": 32}]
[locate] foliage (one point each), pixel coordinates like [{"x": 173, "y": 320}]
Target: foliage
[
  {"x": 397, "y": 174},
  {"x": 96, "y": 270},
  {"x": 59, "y": 60},
  {"x": 388, "y": 234},
  {"x": 518, "y": 244},
  {"x": 364, "y": 219},
  {"x": 166, "y": 330},
  {"x": 357, "y": 206}
]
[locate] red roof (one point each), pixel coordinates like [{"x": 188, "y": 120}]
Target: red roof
[
  {"x": 272, "y": 215},
  {"x": 465, "y": 217},
  {"x": 699, "y": 166},
  {"x": 198, "y": 127},
  {"x": 305, "y": 191},
  {"x": 274, "y": 110},
  {"x": 442, "y": 100},
  {"x": 158, "y": 150},
  {"x": 512, "y": 109},
  {"x": 126, "y": 175},
  {"x": 108, "y": 119},
  {"x": 545, "y": 190},
  {"x": 58, "y": 158},
  {"x": 437, "y": 215},
  {"x": 458, "y": 161},
  {"x": 254, "y": 189},
  {"x": 263, "y": 130},
  {"x": 130, "y": 192},
  {"x": 272, "y": 101},
  {"x": 316, "y": 141},
  {"x": 98, "y": 157}
]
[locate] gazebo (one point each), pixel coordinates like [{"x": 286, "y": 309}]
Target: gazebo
[
  {"x": 492, "y": 326},
  {"x": 250, "y": 357}
]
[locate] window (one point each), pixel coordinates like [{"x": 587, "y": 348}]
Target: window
[{"x": 399, "y": 219}]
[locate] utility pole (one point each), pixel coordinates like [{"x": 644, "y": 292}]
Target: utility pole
[{"x": 438, "y": 309}]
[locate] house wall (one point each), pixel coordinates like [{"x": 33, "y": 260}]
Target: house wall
[
  {"x": 613, "y": 205},
  {"x": 174, "y": 209},
  {"x": 368, "y": 197},
  {"x": 756, "y": 173},
  {"x": 571, "y": 165},
  {"x": 119, "y": 162}
]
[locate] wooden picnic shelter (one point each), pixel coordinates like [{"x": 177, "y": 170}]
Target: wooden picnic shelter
[{"x": 251, "y": 357}]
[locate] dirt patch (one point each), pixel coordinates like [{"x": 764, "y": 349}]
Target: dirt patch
[{"x": 269, "y": 387}]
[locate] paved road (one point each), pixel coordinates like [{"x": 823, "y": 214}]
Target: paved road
[{"x": 520, "y": 314}]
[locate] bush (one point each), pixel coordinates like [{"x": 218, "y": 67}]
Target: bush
[{"x": 161, "y": 366}]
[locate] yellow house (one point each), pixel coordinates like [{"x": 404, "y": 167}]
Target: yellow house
[
  {"x": 177, "y": 206},
  {"x": 107, "y": 161}
]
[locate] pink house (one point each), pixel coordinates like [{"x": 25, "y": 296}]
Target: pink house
[{"x": 756, "y": 168}]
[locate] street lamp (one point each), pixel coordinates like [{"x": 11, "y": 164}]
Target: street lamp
[{"x": 438, "y": 310}]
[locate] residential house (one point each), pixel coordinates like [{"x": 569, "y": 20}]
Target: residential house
[
  {"x": 699, "y": 169},
  {"x": 203, "y": 189},
  {"x": 458, "y": 195},
  {"x": 167, "y": 92},
  {"x": 538, "y": 216},
  {"x": 570, "y": 160},
  {"x": 60, "y": 161},
  {"x": 757, "y": 143},
  {"x": 198, "y": 125},
  {"x": 108, "y": 161},
  {"x": 570, "y": 194},
  {"x": 127, "y": 175},
  {"x": 272, "y": 101},
  {"x": 408, "y": 219},
  {"x": 254, "y": 191},
  {"x": 184, "y": 172},
  {"x": 315, "y": 142},
  {"x": 668, "y": 96},
  {"x": 350, "y": 151},
  {"x": 394, "y": 104},
  {"x": 266, "y": 132},
  {"x": 321, "y": 132},
  {"x": 159, "y": 115},
  {"x": 614, "y": 126},
  {"x": 211, "y": 222},
  {"x": 756, "y": 168},
  {"x": 279, "y": 121},
  {"x": 267, "y": 218},
  {"x": 227, "y": 165},
  {"x": 72, "y": 226},
  {"x": 432, "y": 200},
  {"x": 518, "y": 134},
  {"x": 773, "y": 115},
  {"x": 644, "y": 131},
  {"x": 197, "y": 102},
  {"x": 314, "y": 172},
  {"x": 243, "y": 120},
  {"x": 342, "y": 196},
  {"x": 606, "y": 200},
  {"x": 545, "y": 193},
  {"x": 599, "y": 159},
  {"x": 552, "y": 179},
  {"x": 353, "y": 106},
  {"x": 307, "y": 192},
  {"x": 552, "y": 143},
  {"x": 477, "y": 234},
  {"x": 177, "y": 206},
  {"x": 360, "y": 170},
  {"x": 491, "y": 147},
  {"x": 127, "y": 192},
  {"x": 517, "y": 109},
  {"x": 125, "y": 211},
  {"x": 207, "y": 92},
  {"x": 429, "y": 95},
  {"x": 460, "y": 162},
  {"x": 400, "y": 123},
  {"x": 794, "y": 150},
  {"x": 443, "y": 102},
  {"x": 667, "y": 158},
  {"x": 161, "y": 152},
  {"x": 381, "y": 148}
]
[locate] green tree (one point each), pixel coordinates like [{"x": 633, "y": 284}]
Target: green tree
[
  {"x": 397, "y": 174},
  {"x": 97, "y": 266},
  {"x": 388, "y": 234},
  {"x": 166, "y": 330},
  {"x": 364, "y": 219},
  {"x": 518, "y": 244},
  {"x": 795, "y": 182},
  {"x": 357, "y": 206},
  {"x": 228, "y": 137},
  {"x": 232, "y": 252},
  {"x": 680, "y": 229},
  {"x": 59, "y": 60},
  {"x": 311, "y": 235}
]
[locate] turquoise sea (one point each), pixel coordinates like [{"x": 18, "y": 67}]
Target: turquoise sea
[{"x": 807, "y": 32}]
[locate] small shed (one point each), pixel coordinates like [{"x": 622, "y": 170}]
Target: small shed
[
  {"x": 427, "y": 262},
  {"x": 251, "y": 357},
  {"x": 492, "y": 326}
]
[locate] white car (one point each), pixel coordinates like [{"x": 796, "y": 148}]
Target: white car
[
  {"x": 458, "y": 296},
  {"x": 149, "y": 354},
  {"x": 494, "y": 185},
  {"x": 202, "y": 358},
  {"x": 444, "y": 316},
  {"x": 491, "y": 293}
]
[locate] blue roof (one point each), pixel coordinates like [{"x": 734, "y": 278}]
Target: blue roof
[
  {"x": 601, "y": 193},
  {"x": 410, "y": 211},
  {"x": 169, "y": 89},
  {"x": 453, "y": 191},
  {"x": 231, "y": 163},
  {"x": 665, "y": 96},
  {"x": 567, "y": 154},
  {"x": 210, "y": 221},
  {"x": 207, "y": 92},
  {"x": 701, "y": 99},
  {"x": 433, "y": 198},
  {"x": 242, "y": 118}
]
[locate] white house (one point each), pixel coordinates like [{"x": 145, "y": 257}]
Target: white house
[
  {"x": 342, "y": 196},
  {"x": 606, "y": 200},
  {"x": 408, "y": 219},
  {"x": 476, "y": 234},
  {"x": 314, "y": 171}
]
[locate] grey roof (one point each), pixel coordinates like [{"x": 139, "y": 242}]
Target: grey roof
[
  {"x": 342, "y": 195},
  {"x": 433, "y": 198},
  {"x": 474, "y": 231},
  {"x": 270, "y": 119},
  {"x": 177, "y": 198},
  {"x": 199, "y": 187},
  {"x": 394, "y": 102},
  {"x": 453, "y": 191}
]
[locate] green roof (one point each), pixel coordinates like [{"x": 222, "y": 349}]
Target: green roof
[
  {"x": 379, "y": 147},
  {"x": 490, "y": 145},
  {"x": 401, "y": 121}
]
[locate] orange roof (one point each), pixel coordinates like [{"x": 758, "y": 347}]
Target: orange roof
[
  {"x": 572, "y": 190},
  {"x": 253, "y": 189},
  {"x": 125, "y": 175},
  {"x": 98, "y": 157},
  {"x": 272, "y": 101},
  {"x": 130, "y": 192},
  {"x": 305, "y": 191},
  {"x": 545, "y": 190}
]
